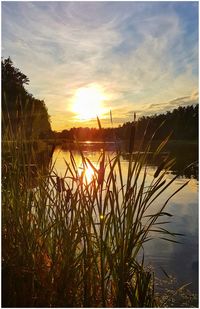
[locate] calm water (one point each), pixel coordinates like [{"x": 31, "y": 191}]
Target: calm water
[{"x": 179, "y": 260}]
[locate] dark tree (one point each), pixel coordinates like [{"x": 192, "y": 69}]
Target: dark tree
[{"x": 20, "y": 109}]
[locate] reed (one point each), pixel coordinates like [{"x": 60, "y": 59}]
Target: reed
[{"x": 74, "y": 242}]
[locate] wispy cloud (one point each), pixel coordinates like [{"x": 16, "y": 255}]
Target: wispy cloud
[
  {"x": 162, "y": 107},
  {"x": 138, "y": 52}
]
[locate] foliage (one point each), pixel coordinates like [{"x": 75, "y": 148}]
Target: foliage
[
  {"x": 75, "y": 242},
  {"x": 19, "y": 108},
  {"x": 182, "y": 122}
]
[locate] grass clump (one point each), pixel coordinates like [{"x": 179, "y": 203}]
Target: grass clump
[{"x": 76, "y": 242}]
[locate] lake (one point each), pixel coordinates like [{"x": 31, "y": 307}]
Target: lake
[{"x": 177, "y": 259}]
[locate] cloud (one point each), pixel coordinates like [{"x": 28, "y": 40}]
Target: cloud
[
  {"x": 135, "y": 51},
  {"x": 170, "y": 105}
]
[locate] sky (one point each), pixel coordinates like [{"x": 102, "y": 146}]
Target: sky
[{"x": 138, "y": 56}]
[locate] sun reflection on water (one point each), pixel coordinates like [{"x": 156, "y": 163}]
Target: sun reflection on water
[{"x": 87, "y": 173}]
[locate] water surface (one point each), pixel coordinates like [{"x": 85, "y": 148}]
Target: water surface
[{"x": 179, "y": 260}]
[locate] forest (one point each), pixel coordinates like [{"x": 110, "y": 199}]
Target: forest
[
  {"x": 74, "y": 229},
  {"x": 182, "y": 123},
  {"x": 20, "y": 110}
]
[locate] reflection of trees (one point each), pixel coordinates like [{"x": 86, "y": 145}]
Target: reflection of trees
[
  {"x": 186, "y": 159},
  {"x": 186, "y": 156},
  {"x": 27, "y": 161},
  {"x": 92, "y": 146}
]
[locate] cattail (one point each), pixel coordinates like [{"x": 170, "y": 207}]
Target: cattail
[
  {"x": 132, "y": 138},
  {"x": 132, "y": 135},
  {"x": 82, "y": 176},
  {"x": 58, "y": 183},
  {"x": 101, "y": 172},
  {"x": 68, "y": 195},
  {"x": 62, "y": 184},
  {"x": 159, "y": 169}
]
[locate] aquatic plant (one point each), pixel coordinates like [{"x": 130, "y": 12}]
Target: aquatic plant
[{"x": 76, "y": 242}]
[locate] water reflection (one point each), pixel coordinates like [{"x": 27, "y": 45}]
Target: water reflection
[
  {"x": 86, "y": 173},
  {"x": 180, "y": 260},
  {"x": 186, "y": 164},
  {"x": 30, "y": 159}
]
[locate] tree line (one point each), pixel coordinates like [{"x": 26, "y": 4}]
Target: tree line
[
  {"x": 182, "y": 123},
  {"x": 20, "y": 110}
]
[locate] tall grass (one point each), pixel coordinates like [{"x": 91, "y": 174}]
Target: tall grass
[{"x": 74, "y": 242}]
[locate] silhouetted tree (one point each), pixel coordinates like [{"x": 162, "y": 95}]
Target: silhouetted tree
[
  {"x": 181, "y": 122},
  {"x": 20, "y": 108}
]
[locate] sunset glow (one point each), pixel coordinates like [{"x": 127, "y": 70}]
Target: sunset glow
[
  {"x": 100, "y": 140},
  {"x": 88, "y": 102},
  {"x": 93, "y": 57},
  {"x": 87, "y": 173}
]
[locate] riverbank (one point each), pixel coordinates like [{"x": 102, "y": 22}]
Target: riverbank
[{"x": 85, "y": 226}]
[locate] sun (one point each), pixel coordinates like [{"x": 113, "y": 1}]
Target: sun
[{"x": 88, "y": 102}]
